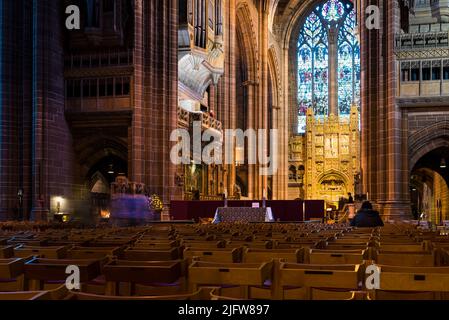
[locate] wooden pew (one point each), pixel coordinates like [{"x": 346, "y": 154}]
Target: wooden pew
[
  {"x": 251, "y": 244},
  {"x": 138, "y": 254},
  {"x": 6, "y": 252},
  {"x": 251, "y": 255},
  {"x": 337, "y": 295},
  {"x": 57, "y": 294},
  {"x": 231, "y": 255},
  {"x": 202, "y": 244},
  {"x": 402, "y": 247},
  {"x": 92, "y": 253},
  {"x": 157, "y": 244},
  {"x": 42, "y": 273},
  {"x": 11, "y": 274},
  {"x": 405, "y": 259},
  {"x": 297, "y": 280},
  {"x": 144, "y": 276},
  {"x": 241, "y": 276},
  {"x": 202, "y": 294},
  {"x": 42, "y": 252},
  {"x": 28, "y": 242},
  {"x": 334, "y": 257},
  {"x": 411, "y": 283}
]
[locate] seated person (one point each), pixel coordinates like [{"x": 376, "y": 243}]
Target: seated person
[{"x": 367, "y": 217}]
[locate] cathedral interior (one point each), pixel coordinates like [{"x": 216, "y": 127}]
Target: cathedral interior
[
  {"x": 263, "y": 150},
  {"x": 360, "y": 101}
]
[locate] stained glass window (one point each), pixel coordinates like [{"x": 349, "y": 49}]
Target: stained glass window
[
  {"x": 348, "y": 66},
  {"x": 337, "y": 16},
  {"x": 333, "y": 10}
]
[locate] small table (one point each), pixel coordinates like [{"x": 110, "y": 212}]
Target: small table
[{"x": 244, "y": 214}]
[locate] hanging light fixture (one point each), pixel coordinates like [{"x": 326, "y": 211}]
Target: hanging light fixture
[
  {"x": 443, "y": 163},
  {"x": 111, "y": 169}
]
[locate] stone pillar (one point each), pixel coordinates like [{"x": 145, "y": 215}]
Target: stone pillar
[
  {"x": 262, "y": 106},
  {"x": 11, "y": 72},
  {"x": 52, "y": 154},
  {"x": 155, "y": 98},
  {"x": 36, "y": 147},
  {"x": 225, "y": 91},
  {"x": 136, "y": 134},
  {"x": 252, "y": 168},
  {"x": 385, "y": 173},
  {"x": 397, "y": 204}
]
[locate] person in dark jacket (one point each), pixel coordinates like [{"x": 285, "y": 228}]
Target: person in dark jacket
[
  {"x": 350, "y": 199},
  {"x": 366, "y": 217}
]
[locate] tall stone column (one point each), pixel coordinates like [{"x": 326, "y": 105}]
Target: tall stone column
[
  {"x": 136, "y": 132},
  {"x": 396, "y": 204},
  {"x": 52, "y": 154},
  {"x": 385, "y": 175},
  {"x": 155, "y": 97},
  {"x": 11, "y": 71},
  {"x": 261, "y": 106},
  {"x": 251, "y": 124},
  {"x": 36, "y": 149},
  {"x": 226, "y": 96}
]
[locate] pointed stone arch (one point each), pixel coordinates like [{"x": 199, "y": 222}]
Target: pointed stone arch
[
  {"x": 426, "y": 140},
  {"x": 246, "y": 36}
]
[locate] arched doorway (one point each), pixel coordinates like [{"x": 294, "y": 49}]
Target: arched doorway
[
  {"x": 100, "y": 177},
  {"x": 429, "y": 192},
  {"x": 101, "y": 159}
]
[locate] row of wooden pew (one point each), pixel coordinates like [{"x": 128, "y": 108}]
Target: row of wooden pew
[{"x": 226, "y": 261}]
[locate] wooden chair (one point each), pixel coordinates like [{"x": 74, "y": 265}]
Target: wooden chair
[
  {"x": 160, "y": 244},
  {"x": 237, "y": 278},
  {"x": 109, "y": 243},
  {"x": 297, "y": 280},
  {"x": 402, "y": 247},
  {"x": 337, "y": 295},
  {"x": 42, "y": 274},
  {"x": 92, "y": 253},
  {"x": 139, "y": 277},
  {"x": 202, "y": 244},
  {"x": 231, "y": 255},
  {"x": 251, "y": 255},
  {"x": 338, "y": 246},
  {"x": 219, "y": 297},
  {"x": 405, "y": 259},
  {"x": 335, "y": 257},
  {"x": 251, "y": 244},
  {"x": 42, "y": 252},
  {"x": 57, "y": 294},
  {"x": 11, "y": 274},
  {"x": 6, "y": 252},
  {"x": 28, "y": 242},
  {"x": 412, "y": 283},
  {"x": 138, "y": 254},
  {"x": 201, "y": 294}
]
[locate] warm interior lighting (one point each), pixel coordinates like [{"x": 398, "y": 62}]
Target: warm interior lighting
[
  {"x": 105, "y": 214},
  {"x": 443, "y": 164},
  {"x": 111, "y": 169},
  {"x": 58, "y": 202},
  {"x": 239, "y": 156}
]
